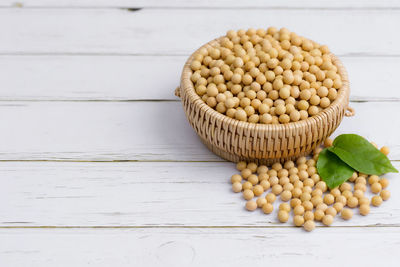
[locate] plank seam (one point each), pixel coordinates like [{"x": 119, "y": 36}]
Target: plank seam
[
  {"x": 100, "y": 100},
  {"x": 122, "y": 161},
  {"x": 194, "y": 227},
  {"x": 137, "y": 8},
  {"x": 105, "y": 54}
]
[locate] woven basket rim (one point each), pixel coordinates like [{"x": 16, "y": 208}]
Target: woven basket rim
[{"x": 188, "y": 88}]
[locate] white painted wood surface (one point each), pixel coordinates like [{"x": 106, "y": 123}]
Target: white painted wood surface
[
  {"x": 116, "y": 77},
  {"x": 283, "y": 4},
  {"x": 109, "y": 131},
  {"x": 200, "y": 247},
  {"x": 180, "y": 31},
  {"x": 143, "y": 194},
  {"x": 97, "y": 161}
]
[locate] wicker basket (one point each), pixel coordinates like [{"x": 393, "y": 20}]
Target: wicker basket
[{"x": 235, "y": 140}]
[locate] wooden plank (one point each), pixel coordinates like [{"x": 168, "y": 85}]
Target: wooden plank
[
  {"x": 203, "y": 3},
  {"x": 143, "y": 194},
  {"x": 117, "y": 31},
  {"x": 199, "y": 247},
  {"x": 90, "y": 77},
  {"x": 116, "y": 77},
  {"x": 140, "y": 130}
]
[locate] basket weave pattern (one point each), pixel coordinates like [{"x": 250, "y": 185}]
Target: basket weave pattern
[{"x": 236, "y": 140}]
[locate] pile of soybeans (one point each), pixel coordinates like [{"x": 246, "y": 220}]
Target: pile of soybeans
[
  {"x": 266, "y": 76},
  {"x": 302, "y": 191}
]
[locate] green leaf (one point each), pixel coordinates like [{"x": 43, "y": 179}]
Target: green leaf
[
  {"x": 361, "y": 155},
  {"x": 332, "y": 170}
]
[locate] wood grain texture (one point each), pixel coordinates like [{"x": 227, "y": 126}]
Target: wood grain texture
[
  {"x": 109, "y": 131},
  {"x": 117, "y": 31},
  {"x": 165, "y": 213},
  {"x": 133, "y": 77},
  {"x": 143, "y": 194},
  {"x": 200, "y": 247},
  {"x": 203, "y": 3}
]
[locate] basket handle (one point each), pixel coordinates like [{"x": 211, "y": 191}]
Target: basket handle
[
  {"x": 178, "y": 92},
  {"x": 350, "y": 112}
]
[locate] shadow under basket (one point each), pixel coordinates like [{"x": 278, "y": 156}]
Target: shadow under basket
[{"x": 236, "y": 140}]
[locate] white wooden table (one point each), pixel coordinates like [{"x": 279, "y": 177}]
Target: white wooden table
[{"x": 100, "y": 167}]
